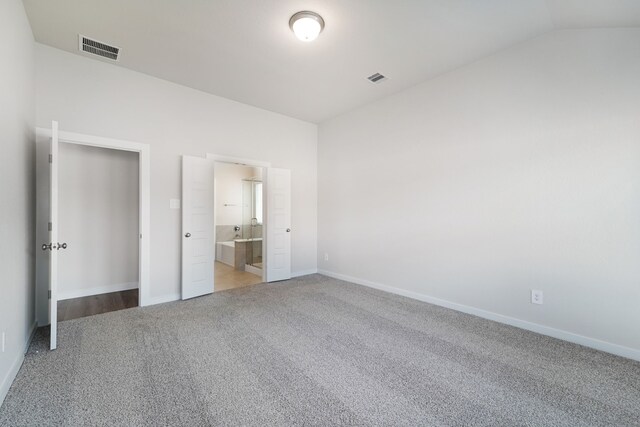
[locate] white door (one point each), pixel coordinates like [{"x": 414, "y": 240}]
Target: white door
[
  {"x": 52, "y": 246},
  {"x": 197, "y": 226},
  {"x": 278, "y": 265}
]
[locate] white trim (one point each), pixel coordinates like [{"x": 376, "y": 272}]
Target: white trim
[
  {"x": 5, "y": 385},
  {"x": 304, "y": 272},
  {"x": 597, "y": 344},
  {"x": 238, "y": 160},
  {"x": 94, "y": 141},
  {"x": 97, "y": 290},
  {"x": 144, "y": 152},
  {"x": 165, "y": 298}
]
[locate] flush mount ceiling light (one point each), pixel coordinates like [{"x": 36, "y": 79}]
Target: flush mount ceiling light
[{"x": 306, "y": 25}]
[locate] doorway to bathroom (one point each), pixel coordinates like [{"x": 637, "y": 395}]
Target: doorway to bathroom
[
  {"x": 239, "y": 220},
  {"x": 261, "y": 252}
]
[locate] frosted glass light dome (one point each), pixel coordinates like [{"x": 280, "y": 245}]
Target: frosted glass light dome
[{"x": 306, "y": 25}]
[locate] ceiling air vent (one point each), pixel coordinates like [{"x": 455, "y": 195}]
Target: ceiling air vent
[
  {"x": 95, "y": 47},
  {"x": 376, "y": 78}
]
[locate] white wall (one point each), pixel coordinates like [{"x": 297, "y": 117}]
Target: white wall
[
  {"x": 17, "y": 187},
  {"x": 99, "y": 215},
  {"x": 519, "y": 171},
  {"x": 229, "y": 191},
  {"x": 93, "y": 97}
]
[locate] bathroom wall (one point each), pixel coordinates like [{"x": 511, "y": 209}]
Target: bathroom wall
[{"x": 228, "y": 199}]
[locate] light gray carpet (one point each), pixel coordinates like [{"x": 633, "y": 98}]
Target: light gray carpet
[{"x": 314, "y": 351}]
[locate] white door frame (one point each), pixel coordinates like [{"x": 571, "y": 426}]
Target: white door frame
[
  {"x": 144, "y": 209},
  {"x": 259, "y": 164}
]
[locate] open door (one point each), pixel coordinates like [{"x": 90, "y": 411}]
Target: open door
[
  {"x": 197, "y": 226},
  {"x": 278, "y": 265},
  {"x": 53, "y": 245}
]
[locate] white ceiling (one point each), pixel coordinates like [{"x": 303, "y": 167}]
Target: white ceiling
[{"x": 244, "y": 50}]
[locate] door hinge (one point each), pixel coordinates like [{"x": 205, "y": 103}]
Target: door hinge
[
  {"x": 50, "y": 158},
  {"x": 50, "y": 226},
  {"x": 49, "y": 294}
]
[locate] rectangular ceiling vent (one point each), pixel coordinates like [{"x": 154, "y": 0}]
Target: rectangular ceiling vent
[
  {"x": 95, "y": 47},
  {"x": 376, "y": 78}
]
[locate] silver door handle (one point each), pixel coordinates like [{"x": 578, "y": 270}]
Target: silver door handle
[
  {"x": 187, "y": 235},
  {"x": 62, "y": 246},
  {"x": 288, "y": 230}
]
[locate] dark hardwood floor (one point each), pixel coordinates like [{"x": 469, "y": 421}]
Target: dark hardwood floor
[{"x": 96, "y": 304}]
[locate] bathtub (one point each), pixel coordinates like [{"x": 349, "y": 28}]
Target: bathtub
[{"x": 226, "y": 252}]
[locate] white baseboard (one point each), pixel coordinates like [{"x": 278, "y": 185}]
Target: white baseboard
[
  {"x": 5, "y": 385},
  {"x": 597, "y": 344},
  {"x": 97, "y": 290},
  {"x": 304, "y": 272},
  {"x": 164, "y": 298}
]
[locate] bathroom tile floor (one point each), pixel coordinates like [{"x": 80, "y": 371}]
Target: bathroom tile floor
[{"x": 227, "y": 277}]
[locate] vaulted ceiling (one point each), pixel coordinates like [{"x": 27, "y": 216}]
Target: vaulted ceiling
[{"x": 244, "y": 50}]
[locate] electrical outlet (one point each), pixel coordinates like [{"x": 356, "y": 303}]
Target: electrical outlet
[
  {"x": 326, "y": 256},
  {"x": 536, "y": 296}
]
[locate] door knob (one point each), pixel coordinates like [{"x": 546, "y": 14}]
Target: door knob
[
  {"x": 288, "y": 230},
  {"x": 187, "y": 235},
  {"x": 52, "y": 246}
]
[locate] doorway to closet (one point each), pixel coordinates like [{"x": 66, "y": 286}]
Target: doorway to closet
[
  {"x": 92, "y": 224},
  {"x": 98, "y": 196}
]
